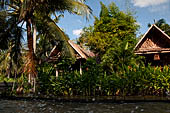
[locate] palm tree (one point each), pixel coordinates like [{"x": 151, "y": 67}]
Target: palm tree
[
  {"x": 10, "y": 42},
  {"x": 33, "y": 12}
]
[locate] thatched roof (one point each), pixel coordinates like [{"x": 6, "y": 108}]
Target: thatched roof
[
  {"x": 79, "y": 52},
  {"x": 154, "y": 41}
]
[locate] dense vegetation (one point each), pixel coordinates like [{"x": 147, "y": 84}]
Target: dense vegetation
[
  {"x": 135, "y": 80},
  {"x": 115, "y": 70}
]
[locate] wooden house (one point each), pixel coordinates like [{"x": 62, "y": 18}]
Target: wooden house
[
  {"x": 154, "y": 46},
  {"x": 80, "y": 54}
]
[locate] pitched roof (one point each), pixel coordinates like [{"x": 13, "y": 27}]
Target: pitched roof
[
  {"x": 153, "y": 46},
  {"x": 82, "y": 52}
]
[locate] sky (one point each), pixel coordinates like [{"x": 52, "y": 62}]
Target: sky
[{"x": 145, "y": 11}]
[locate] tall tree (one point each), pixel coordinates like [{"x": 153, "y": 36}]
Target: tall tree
[{"x": 112, "y": 37}]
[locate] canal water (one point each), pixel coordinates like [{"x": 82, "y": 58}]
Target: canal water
[{"x": 38, "y": 106}]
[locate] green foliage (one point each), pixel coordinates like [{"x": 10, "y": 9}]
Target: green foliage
[
  {"x": 3, "y": 78},
  {"x": 69, "y": 82},
  {"x": 104, "y": 11},
  {"x": 112, "y": 38},
  {"x": 51, "y": 35},
  {"x": 10, "y": 44},
  {"x": 96, "y": 81},
  {"x": 111, "y": 29},
  {"x": 64, "y": 64},
  {"x": 45, "y": 74}
]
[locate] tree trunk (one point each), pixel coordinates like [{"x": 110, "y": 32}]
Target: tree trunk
[
  {"x": 29, "y": 37},
  {"x": 31, "y": 57}
]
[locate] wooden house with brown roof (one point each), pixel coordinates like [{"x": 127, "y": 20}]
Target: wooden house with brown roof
[
  {"x": 80, "y": 54},
  {"x": 154, "y": 46}
]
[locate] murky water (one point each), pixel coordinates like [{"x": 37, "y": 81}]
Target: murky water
[{"x": 21, "y": 106}]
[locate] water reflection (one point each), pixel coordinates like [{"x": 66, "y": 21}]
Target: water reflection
[{"x": 20, "y": 106}]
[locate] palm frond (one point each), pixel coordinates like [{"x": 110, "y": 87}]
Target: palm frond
[
  {"x": 80, "y": 8},
  {"x": 16, "y": 44},
  {"x": 10, "y": 42},
  {"x": 53, "y": 32}
]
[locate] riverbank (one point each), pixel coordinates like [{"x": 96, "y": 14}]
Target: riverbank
[{"x": 92, "y": 99}]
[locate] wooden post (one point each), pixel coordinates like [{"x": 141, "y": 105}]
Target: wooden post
[
  {"x": 13, "y": 86},
  {"x": 29, "y": 78},
  {"x": 80, "y": 68},
  {"x": 34, "y": 84},
  {"x": 56, "y": 73}
]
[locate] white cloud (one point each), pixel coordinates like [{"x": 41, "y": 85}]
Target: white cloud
[
  {"x": 77, "y": 32},
  {"x": 146, "y": 3}
]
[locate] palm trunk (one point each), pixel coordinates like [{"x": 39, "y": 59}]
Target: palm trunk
[
  {"x": 29, "y": 37},
  {"x": 31, "y": 61}
]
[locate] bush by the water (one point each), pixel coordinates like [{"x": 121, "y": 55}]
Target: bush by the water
[{"x": 133, "y": 80}]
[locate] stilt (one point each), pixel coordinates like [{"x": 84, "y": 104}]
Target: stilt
[
  {"x": 80, "y": 68},
  {"x": 13, "y": 86},
  {"x": 34, "y": 84},
  {"x": 56, "y": 73},
  {"x": 29, "y": 78}
]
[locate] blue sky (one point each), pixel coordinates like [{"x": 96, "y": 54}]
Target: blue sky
[{"x": 146, "y": 11}]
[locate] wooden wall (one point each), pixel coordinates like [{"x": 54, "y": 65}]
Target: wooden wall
[{"x": 164, "y": 59}]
